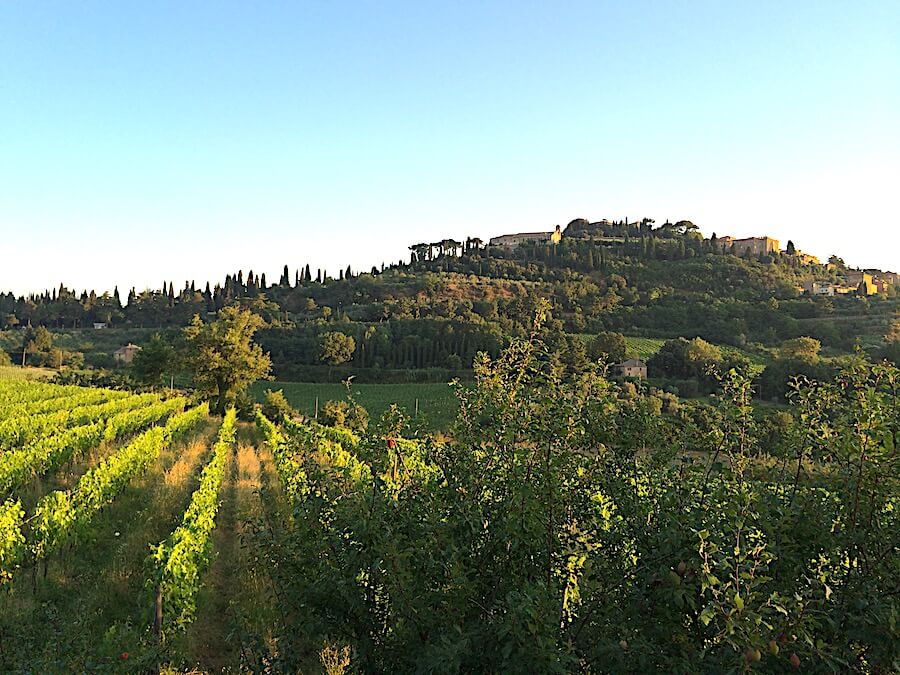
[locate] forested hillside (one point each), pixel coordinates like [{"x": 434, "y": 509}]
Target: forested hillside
[{"x": 425, "y": 320}]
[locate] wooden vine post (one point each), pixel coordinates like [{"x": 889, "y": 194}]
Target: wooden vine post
[{"x": 158, "y": 615}]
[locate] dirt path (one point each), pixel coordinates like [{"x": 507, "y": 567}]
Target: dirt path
[{"x": 233, "y": 630}]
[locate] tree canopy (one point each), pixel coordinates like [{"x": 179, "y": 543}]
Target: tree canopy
[{"x": 222, "y": 356}]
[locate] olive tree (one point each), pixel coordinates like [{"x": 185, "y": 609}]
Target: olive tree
[{"x": 222, "y": 356}]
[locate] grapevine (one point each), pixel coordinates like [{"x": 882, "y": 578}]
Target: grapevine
[{"x": 181, "y": 559}]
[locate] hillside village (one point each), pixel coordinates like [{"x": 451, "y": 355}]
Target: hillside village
[{"x": 605, "y": 232}]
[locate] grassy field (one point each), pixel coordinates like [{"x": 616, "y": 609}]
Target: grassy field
[
  {"x": 436, "y": 402},
  {"x": 18, "y": 373}
]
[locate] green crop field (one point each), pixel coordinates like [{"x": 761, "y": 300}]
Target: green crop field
[
  {"x": 18, "y": 373},
  {"x": 437, "y": 402},
  {"x": 643, "y": 348}
]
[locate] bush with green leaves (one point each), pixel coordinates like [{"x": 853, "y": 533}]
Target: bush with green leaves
[
  {"x": 344, "y": 414},
  {"x": 12, "y": 541},
  {"x": 276, "y": 407},
  {"x": 564, "y": 527}
]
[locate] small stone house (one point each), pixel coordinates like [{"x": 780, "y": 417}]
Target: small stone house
[
  {"x": 631, "y": 368},
  {"x": 125, "y": 355}
]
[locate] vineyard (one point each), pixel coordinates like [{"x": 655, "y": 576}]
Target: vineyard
[{"x": 559, "y": 527}]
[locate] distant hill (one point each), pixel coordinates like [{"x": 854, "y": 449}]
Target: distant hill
[{"x": 426, "y": 320}]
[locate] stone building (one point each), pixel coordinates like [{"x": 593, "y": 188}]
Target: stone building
[
  {"x": 631, "y": 368},
  {"x": 125, "y": 355},
  {"x": 513, "y": 240},
  {"x": 857, "y": 277},
  {"x": 754, "y": 245}
]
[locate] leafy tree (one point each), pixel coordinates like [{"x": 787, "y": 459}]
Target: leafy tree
[
  {"x": 800, "y": 349},
  {"x": 685, "y": 358},
  {"x": 610, "y": 346},
  {"x": 156, "y": 358},
  {"x": 37, "y": 341},
  {"x": 56, "y": 357},
  {"x": 891, "y": 352},
  {"x": 222, "y": 356},
  {"x": 790, "y": 249},
  {"x": 565, "y": 522},
  {"x": 336, "y": 348}
]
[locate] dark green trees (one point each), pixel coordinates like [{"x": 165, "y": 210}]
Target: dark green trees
[
  {"x": 609, "y": 346},
  {"x": 156, "y": 358}
]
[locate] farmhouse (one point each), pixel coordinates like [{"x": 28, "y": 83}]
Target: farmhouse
[
  {"x": 125, "y": 355},
  {"x": 631, "y": 368},
  {"x": 513, "y": 240}
]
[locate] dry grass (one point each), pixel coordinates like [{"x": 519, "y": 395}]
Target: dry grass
[
  {"x": 181, "y": 470},
  {"x": 248, "y": 468}
]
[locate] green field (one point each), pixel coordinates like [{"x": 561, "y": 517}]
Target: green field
[
  {"x": 18, "y": 373},
  {"x": 436, "y": 402},
  {"x": 644, "y": 348}
]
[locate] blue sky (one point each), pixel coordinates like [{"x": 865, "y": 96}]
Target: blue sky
[{"x": 142, "y": 142}]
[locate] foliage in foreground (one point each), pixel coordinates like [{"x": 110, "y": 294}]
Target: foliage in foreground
[{"x": 566, "y": 528}]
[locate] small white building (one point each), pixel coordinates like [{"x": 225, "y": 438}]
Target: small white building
[{"x": 817, "y": 288}]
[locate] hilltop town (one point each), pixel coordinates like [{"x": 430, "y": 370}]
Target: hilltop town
[{"x": 610, "y": 233}]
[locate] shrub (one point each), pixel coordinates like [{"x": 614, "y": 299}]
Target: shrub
[
  {"x": 276, "y": 406},
  {"x": 346, "y": 415}
]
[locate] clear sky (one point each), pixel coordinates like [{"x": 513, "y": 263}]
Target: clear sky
[{"x": 151, "y": 141}]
